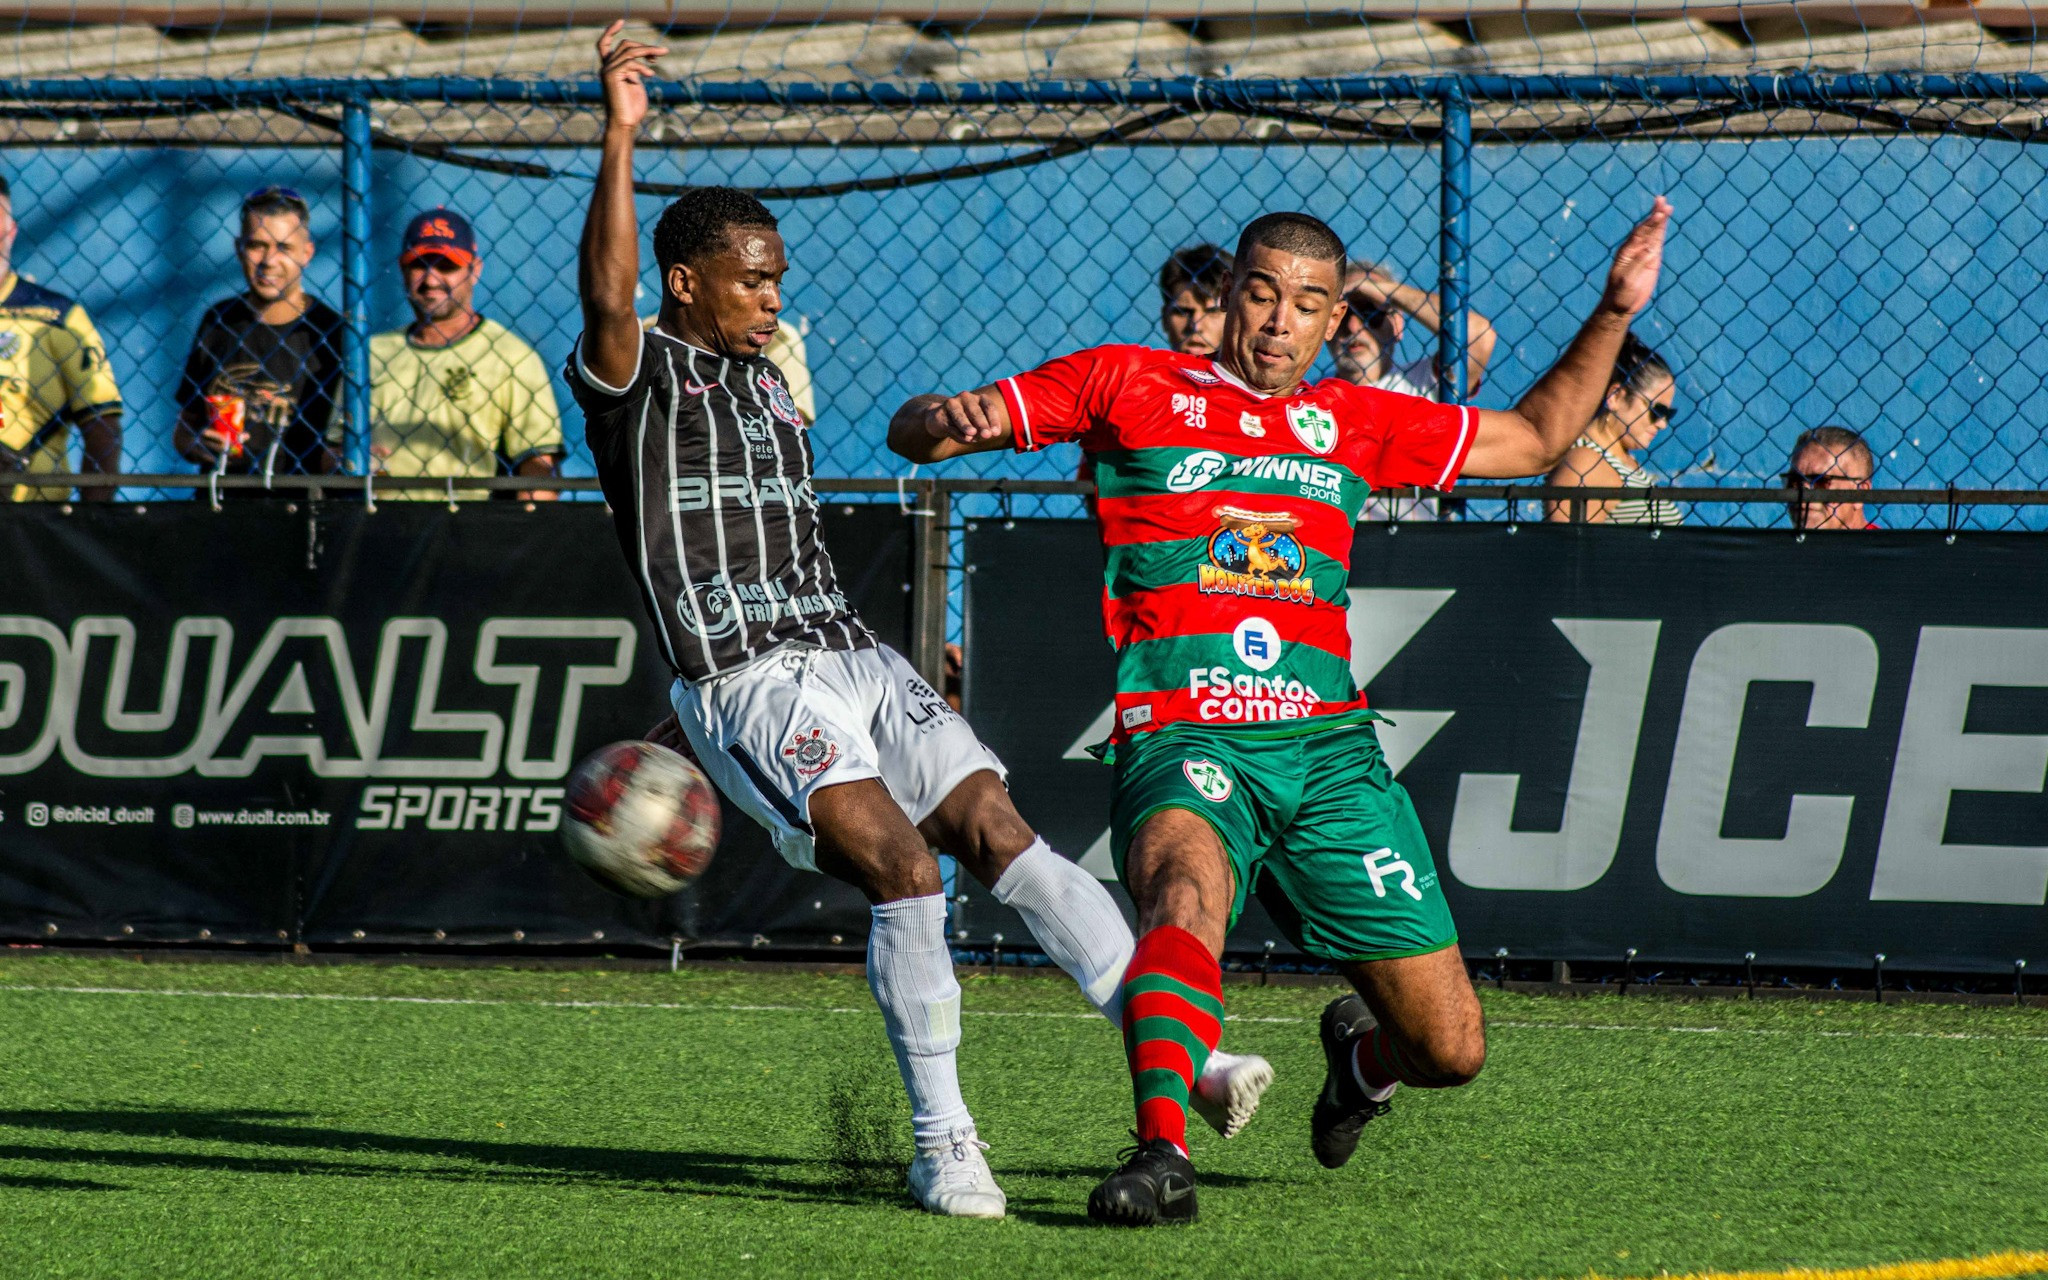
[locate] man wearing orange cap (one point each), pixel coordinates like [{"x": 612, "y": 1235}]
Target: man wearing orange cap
[{"x": 455, "y": 394}]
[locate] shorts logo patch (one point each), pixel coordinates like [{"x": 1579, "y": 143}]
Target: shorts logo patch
[
  {"x": 1257, "y": 642},
  {"x": 1383, "y": 865},
  {"x": 812, "y": 753},
  {"x": 1208, "y": 778}
]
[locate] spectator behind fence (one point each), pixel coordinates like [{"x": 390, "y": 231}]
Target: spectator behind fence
[
  {"x": 1637, "y": 407},
  {"x": 455, "y": 394},
  {"x": 1192, "y": 286},
  {"x": 260, "y": 384},
  {"x": 1377, "y": 309},
  {"x": 1830, "y": 458},
  {"x": 53, "y": 377},
  {"x": 1191, "y": 289}
]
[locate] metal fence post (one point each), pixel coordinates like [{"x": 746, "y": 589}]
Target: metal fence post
[
  {"x": 1455, "y": 242},
  {"x": 355, "y": 276},
  {"x": 931, "y": 554}
]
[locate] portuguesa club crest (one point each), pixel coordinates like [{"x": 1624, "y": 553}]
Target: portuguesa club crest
[{"x": 1313, "y": 426}]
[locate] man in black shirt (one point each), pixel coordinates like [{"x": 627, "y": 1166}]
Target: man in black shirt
[
  {"x": 260, "y": 385},
  {"x": 824, "y": 736}
]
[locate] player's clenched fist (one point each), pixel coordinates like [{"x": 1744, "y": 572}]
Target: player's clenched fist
[
  {"x": 622, "y": 67},
  {"x": 963, "y": 417}
]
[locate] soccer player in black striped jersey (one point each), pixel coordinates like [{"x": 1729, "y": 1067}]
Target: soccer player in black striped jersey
[{"x": 825, "y": 737}]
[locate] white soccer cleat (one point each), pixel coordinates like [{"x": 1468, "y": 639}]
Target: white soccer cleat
[
  {"x": 952, "y": 1178},
  {"x": 1229, "y": 1090}
]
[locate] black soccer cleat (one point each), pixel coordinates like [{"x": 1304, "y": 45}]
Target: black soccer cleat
[
  {"x": 1156, "y": 1184},
  {"x": 1342, "y": 1109}
]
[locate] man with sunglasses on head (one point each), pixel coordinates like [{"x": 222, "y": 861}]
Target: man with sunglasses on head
[
  {"x": 263, "y": 377},
  {"x": 1828, "y": 459},
  {"x": 455, "y": 394},
  {"x": 1378, "y": 309}
]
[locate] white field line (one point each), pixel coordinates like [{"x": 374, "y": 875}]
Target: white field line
[{"x": 680, "y": 1007}]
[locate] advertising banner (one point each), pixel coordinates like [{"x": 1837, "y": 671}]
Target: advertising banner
[
  {"x": 1695, "y": 743},
  {"x": 332, "y": 726}
]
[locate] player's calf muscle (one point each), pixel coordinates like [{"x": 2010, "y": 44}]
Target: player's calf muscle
[{"x": 1178, "y": 876}]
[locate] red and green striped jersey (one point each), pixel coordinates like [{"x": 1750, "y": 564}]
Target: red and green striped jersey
[{"x": 1227, "y": 519}]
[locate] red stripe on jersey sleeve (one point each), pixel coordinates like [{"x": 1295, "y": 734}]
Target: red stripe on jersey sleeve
[
  {"x": 1159, "y": 517},
  {"x": 1413, "y": 442},
  {"x": 1066, "y": 398}
]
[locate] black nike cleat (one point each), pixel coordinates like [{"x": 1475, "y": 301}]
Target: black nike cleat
[
  {"x": 1156, "y": 1184},
  {"x": 1342, "y": 1109}
]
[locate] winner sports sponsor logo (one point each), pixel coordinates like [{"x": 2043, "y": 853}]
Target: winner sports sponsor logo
[
  {"x": 1202, "y": 468},
  {"x": 1256, "y": 554}
]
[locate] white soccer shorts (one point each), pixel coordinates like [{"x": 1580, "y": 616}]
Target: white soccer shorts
[{"x": 801, "y": 718}]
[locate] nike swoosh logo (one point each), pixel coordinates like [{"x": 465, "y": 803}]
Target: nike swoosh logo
[
  {"x": 698, "y": 388},
  {"x": 1173, "y": 1195}
]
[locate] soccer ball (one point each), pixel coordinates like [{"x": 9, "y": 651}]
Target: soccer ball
[{"x": 643, "y": 820}]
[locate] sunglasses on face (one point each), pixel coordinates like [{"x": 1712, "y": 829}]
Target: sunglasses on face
[
  {"x": 1821, "y": 480},
  {"x": 1659, "y": 413}
]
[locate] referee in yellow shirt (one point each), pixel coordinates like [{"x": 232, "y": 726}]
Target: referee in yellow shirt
[
  {"x": 454, "y": 394},
  {"x": 53, "y": 377}
]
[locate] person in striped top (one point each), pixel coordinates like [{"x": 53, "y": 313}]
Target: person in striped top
[{"x": 1245, "y": 755}]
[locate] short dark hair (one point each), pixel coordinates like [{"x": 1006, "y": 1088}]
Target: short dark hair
[
  {"x": 1295, "y": 233},
  {"x": 5, "y": 190},
  {"x": 695, "y": 224},
  {"x": 1202, "y": 269},
  {"x": 1837, "y": 441},
  {"x": 1638, "y": 366}
]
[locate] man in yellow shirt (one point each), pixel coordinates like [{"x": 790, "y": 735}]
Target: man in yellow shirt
[
  {"x": 454, "y": 394},
  {"x": 53, "y": 377}
]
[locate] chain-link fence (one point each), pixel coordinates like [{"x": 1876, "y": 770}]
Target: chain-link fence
[{"x": 1862, "y": 252}]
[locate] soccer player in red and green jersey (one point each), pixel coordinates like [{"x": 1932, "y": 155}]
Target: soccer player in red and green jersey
[{"x": 1228, "y": 489}]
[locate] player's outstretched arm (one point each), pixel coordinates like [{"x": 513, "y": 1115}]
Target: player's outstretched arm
[
  {"x": 933, "y": 428},
  {"x": 1529, "y": 438},
  {"x": 608, "y": 264}
]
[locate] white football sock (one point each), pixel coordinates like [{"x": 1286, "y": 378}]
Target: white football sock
[
  {"x": 910, "y": 970},
  {"x": 1073, "y": 917}
]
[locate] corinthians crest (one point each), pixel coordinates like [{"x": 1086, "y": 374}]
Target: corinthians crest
[{"x": 780, "y": 402}]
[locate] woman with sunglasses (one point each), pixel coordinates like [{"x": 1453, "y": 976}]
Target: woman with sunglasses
[{"x": 1637, "y": 407}]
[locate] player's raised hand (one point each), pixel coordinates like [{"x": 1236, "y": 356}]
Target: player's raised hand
[
  {"x": 963, "y": 417},
  {"x": 622, "y": 67},
  {"x": 1633, "y": 278}
]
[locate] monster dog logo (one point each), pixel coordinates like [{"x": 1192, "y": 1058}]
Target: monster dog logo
[{"x": 1255, "y": 553}]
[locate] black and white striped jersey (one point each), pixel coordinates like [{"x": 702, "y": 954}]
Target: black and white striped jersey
[{"x": 707, "y": 466}]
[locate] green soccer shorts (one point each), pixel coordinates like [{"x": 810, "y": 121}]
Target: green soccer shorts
[{"x": 1310, "y": 816}]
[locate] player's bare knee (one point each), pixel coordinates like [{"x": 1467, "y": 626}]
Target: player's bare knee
[
  {"x": 979, "y": 825},
  {"x": 1453, "y": 1060}
]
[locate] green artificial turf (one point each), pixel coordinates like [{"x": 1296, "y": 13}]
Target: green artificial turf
[{"x": 490, "y": 1125}]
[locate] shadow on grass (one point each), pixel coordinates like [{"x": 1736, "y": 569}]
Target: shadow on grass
[
  {"x": 701, "y": 1172},
  {"x": 42, "y": 1182}
]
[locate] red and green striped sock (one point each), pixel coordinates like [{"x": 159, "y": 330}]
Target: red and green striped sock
[
  {"x": 1173, "y": 1017},
  {"x": 1379, "y": 1061}
]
